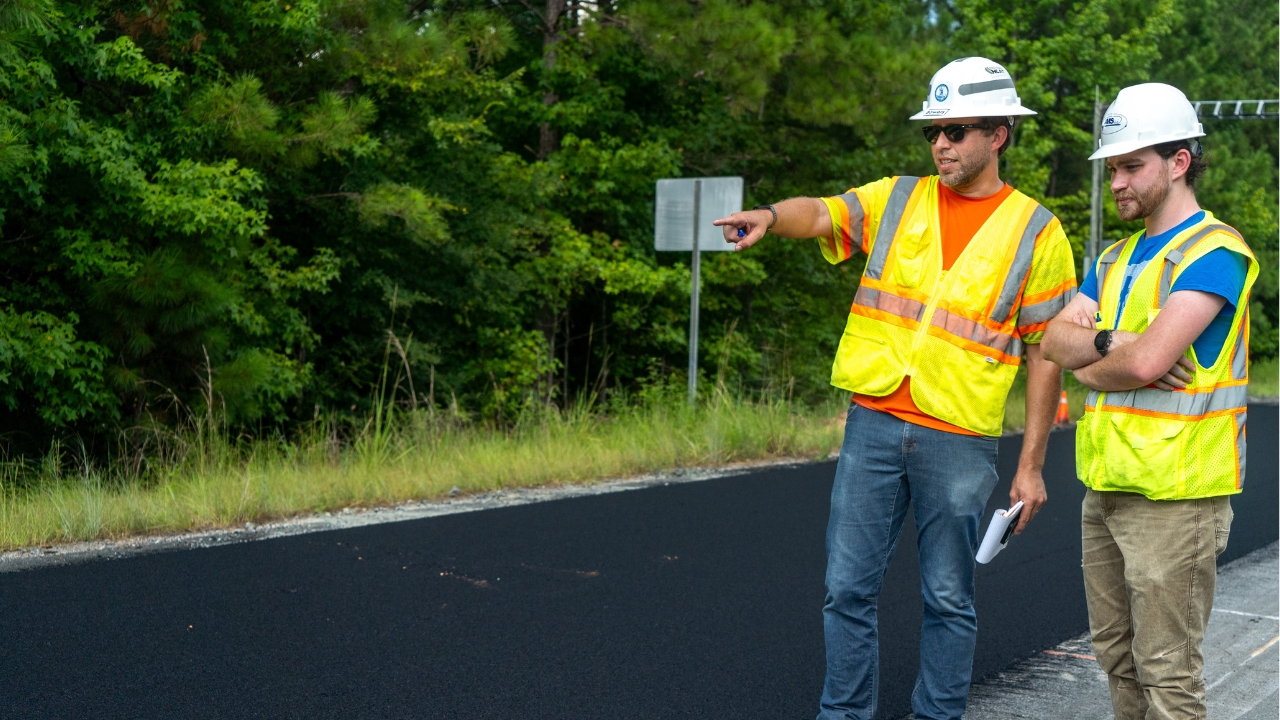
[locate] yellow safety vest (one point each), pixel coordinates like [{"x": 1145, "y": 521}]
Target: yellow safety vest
[
  {"x": 954, "y": 332},
  {"x": 1169, "y": 445}
]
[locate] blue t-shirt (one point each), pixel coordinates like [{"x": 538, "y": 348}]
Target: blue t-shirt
[{"x": 1221, "y": 272}]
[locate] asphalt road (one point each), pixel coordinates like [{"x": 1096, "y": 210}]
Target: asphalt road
[{"x": 691, "y": 600}]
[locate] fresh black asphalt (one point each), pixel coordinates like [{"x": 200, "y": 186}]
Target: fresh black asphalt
[{"x": 697, "y": 599}]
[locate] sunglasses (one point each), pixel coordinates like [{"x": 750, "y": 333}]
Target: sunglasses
[{"x": 955, "y": 133}]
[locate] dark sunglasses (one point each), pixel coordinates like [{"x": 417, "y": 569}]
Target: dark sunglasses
[{"x": 955, "y": 133}]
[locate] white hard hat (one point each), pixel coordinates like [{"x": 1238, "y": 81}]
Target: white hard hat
[
  {"x": 971, "y": 87},
  {"x": 1145, "y": 115}
]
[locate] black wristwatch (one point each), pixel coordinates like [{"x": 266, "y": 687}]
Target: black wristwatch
[
  {"x": 1102, "y": 342},
  {"x": 771, "y": 210}
]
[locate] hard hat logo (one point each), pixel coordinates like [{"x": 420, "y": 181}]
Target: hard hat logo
[
  {"x": 971, "y": 87},
  {"x": 1114, "y": 123}
]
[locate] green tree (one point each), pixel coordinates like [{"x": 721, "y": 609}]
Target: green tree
[{"x": 259, "y": 196}]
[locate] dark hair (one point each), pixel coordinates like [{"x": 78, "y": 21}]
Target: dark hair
[
  {"x": 991, "y": 123},
  {"x": 1198, "y": 159}
]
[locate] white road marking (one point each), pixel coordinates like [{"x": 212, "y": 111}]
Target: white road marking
[
  {"x": 1245, "y": 614},
  {"x": 1219, "y": 680},
  {"x": 1263, "y": 649}
]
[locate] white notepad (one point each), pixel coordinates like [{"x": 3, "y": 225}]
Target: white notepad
[{"x": 998, "y": 533}]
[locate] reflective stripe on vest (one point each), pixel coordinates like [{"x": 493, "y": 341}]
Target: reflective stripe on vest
[
  {"x": 1228, "y": 398},
  {"x": 1105, "y": 262},
  {"x": 851, "y": 221},
  {"x": 1045, "y": 310},
  {"x": 1021, "y": 264},
  {"x": 1174, "y": 258},
  {"x": 885, "y": 301},
  {"x": 1239, "y": 352},
  {"x": 889, "y": 221},
  {"x": 1004, "y": 345}
]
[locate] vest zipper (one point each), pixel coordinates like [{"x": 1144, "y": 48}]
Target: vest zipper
[{"x": 943, "y": 285}]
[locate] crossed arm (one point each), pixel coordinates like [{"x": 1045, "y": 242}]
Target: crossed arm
[{"x": 1156, "y": 356}]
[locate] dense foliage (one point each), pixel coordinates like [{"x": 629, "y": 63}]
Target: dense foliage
[{"x": 255, "y": 207}]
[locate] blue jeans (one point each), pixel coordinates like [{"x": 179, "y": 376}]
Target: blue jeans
[{"x": 885, "y": 465}]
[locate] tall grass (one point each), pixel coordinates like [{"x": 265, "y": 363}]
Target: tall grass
[
  {"x": 1264, "y": 379},
  {"x": 204, "y": 480},
  {"x": 201, "y": 479}
]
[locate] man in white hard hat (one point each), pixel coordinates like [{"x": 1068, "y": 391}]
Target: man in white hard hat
[
  {"x": 1160, "y": 332},
  {"x": 963, "y": 273}
]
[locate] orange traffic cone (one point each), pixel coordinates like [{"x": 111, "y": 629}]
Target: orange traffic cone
[{"x": 1064, "y": 411}]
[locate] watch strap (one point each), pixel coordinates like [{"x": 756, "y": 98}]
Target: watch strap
[{"x": 771, "y": 211}]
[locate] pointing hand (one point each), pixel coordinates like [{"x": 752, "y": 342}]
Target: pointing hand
[{"x": 743, "y": 229}]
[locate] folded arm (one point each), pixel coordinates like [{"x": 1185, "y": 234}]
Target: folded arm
[
  {"x": 1134, "y": 361},
  {"x": 1068, "y": 340}
]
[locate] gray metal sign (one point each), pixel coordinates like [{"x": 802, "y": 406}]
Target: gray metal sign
[
  {"x": 684, "y": 209},
  {"x": 675, "y": 218}
]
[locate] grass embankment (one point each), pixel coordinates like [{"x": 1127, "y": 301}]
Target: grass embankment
[
  {"x": 1264, "y": 379},
  {"x": 198, "y": 481},
  {"x": 208, "y": 482}
]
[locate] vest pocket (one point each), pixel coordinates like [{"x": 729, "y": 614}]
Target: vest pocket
[
  {"x": 960, "y": 386},
  {"x": 871, "y": 356},
  {"x": 1210, "y": 465},
  {"x": 1145, "y": 454},
  {"x": 911, "y": 251}
]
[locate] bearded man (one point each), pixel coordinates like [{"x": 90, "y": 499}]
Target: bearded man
[
  {"x": 1160, "y": 332},
  {"x": 963, "y": 274}
]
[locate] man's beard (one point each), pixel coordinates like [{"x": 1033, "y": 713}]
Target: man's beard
[
  {"x": 967, "y": 170},
  {"x": 1144, "y": 203}
]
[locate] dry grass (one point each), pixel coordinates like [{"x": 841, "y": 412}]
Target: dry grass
[{"x": 210, "y": 482}]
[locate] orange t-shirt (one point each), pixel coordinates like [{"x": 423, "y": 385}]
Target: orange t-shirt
[{"x": 960, "y": 218}]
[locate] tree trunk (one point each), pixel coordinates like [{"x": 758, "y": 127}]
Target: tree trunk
[
  {"x": 549, "y": 325},
  {"x": 548, "y": 136}
]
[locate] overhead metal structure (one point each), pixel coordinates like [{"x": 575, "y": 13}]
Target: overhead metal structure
[{"x": 1237, "y": 109}]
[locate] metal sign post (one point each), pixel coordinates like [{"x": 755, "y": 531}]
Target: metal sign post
[
  {"x": 695, "y": 271},
  {"x": 1095, "y": 199},
  {"x": 683, "y": 211}
]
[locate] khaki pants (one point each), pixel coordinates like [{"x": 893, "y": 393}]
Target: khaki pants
[{"x": 1149, "y": 573}]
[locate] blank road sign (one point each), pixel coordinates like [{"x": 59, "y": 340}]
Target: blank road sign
[{"x": 673, "y": 212}]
